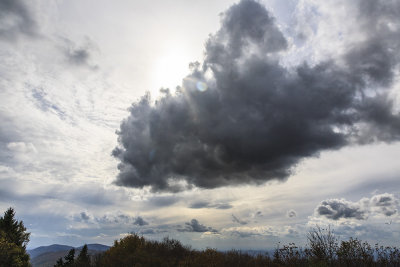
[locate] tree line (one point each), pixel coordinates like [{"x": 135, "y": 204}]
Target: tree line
[{"x": 323, "y": 249}]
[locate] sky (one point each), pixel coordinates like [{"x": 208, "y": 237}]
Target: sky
[{"x": 224, "y": 124}]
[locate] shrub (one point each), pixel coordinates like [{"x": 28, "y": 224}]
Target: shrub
[{"x": 323, "y": 245}]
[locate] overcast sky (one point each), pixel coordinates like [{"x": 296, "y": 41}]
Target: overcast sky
[{"x": 273, "y": 117}]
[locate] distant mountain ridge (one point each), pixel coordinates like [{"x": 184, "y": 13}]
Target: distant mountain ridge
[
  {"x": 48, "y": 255},
  {"x": 33, "y": 253},
  {"x": 97, "y": 247}
]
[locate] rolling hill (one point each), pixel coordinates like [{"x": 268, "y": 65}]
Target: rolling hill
[{"x": 46, "y": 256}]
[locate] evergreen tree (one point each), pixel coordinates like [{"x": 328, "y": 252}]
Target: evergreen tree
[
  {"x": 14, "y": 231},
  {"x": 70, "y": 258},
  {"x": 13, "y": 241},
  {"x": 83, "y": 258},
  {"x": 59, "y": 263}
]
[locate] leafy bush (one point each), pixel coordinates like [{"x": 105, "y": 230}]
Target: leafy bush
[
  {"x": 290, "y": 255},
  {"x": 134, "y": 250},
  {"x": 323, "y": 249},
  {"x": 323, "y": 245},
  {"x": 355, "y": 253}
]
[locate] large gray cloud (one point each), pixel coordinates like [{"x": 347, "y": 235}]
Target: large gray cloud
[
  {"x": 336, "y": 209},
  {"x": 16, "y": 19},
  {"x": 385, "y": 204},
  {"x": 242, "y": 117}
]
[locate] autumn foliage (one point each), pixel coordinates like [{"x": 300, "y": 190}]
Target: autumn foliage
[{"x": 323, "y": 249}]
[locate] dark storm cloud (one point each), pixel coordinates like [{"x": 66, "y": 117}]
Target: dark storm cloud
[
  {"x": 195, "y": 226},
  {"x": 241, "y": 117},
  {"x": 377, "y": 56},
  {"x": 140, "y": 221},
  {"x": 336, "y": 209},
  {"x": 16, "y": 19}
]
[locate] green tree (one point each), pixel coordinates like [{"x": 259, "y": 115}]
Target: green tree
[
  {"x": 59, "y": 263},
  {"x": 83, "y": 258},
  {"x": 15, "y": 231},
  {"x": 13, "y": 241},
  {"x": 70, "y": 258}
]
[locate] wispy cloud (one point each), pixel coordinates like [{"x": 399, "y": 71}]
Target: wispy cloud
[
  {"x": 206, "y": 204},
  {"x": 237, "y": 220}
]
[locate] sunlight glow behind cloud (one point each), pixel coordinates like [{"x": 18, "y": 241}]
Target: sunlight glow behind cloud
[{"x": 170, "y": 67}]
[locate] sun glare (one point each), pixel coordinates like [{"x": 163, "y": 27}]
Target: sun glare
[{"x": 170, "y": 68}]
